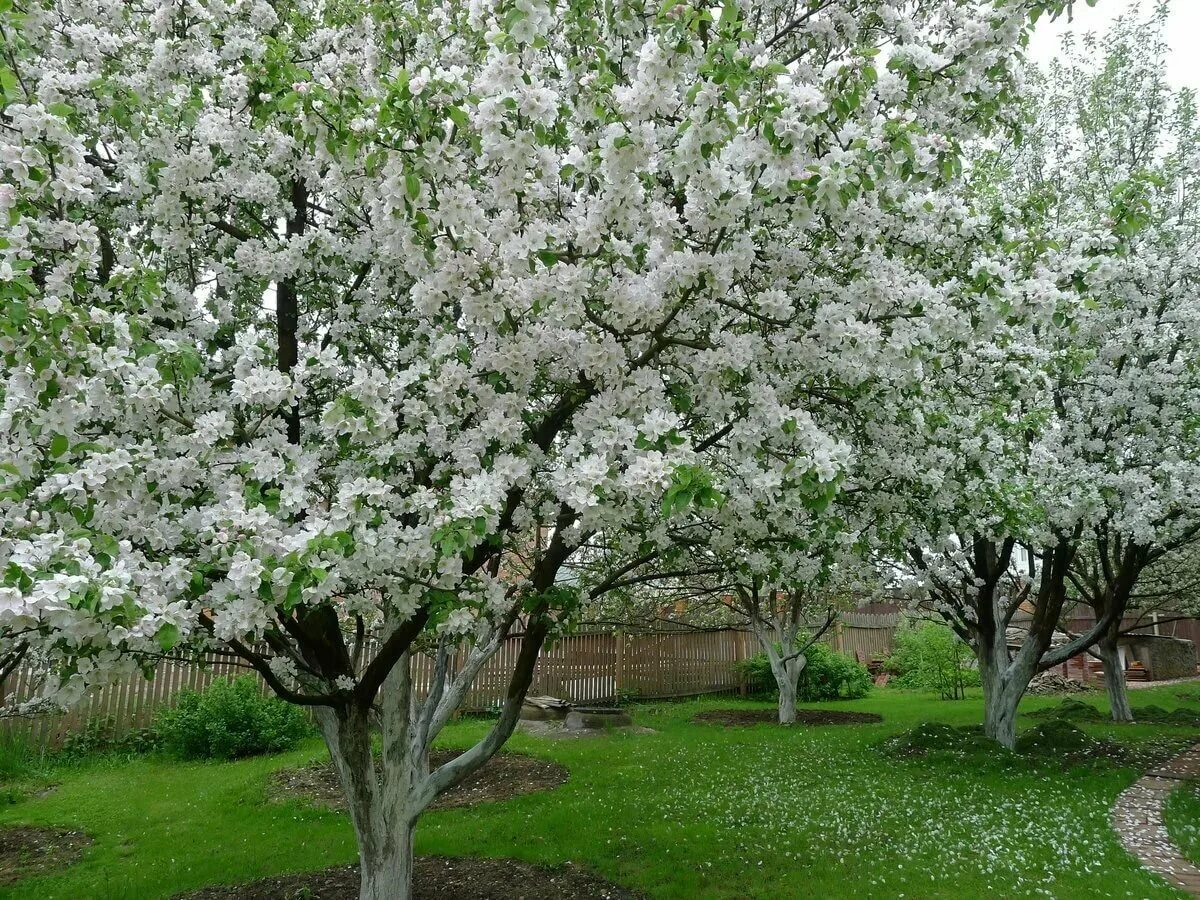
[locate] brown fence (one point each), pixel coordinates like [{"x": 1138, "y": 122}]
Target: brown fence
[
  {"x": 589, "y": 667},
  {"x": 865, "y": 636}
]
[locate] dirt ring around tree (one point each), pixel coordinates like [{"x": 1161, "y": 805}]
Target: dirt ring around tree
[
  {"x": 502, "y": 777},
  {"x": 29, "y": 850},
  {"x": 435, "y": 878},
  {"x": 738, "y": 717}
]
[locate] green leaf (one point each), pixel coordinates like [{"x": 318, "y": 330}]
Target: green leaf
[
  {"x": 295, "y": 593},
  {"x": 8, "y": 82},
  {"x": 167, "y": 636},
  {"x": 59, "y": 445},
  {"x": 412, "y": 185}
]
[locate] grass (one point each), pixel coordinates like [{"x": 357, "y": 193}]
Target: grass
[
  {"x": 689, "y": 811},
  {"x": 1183, "y": 820}
]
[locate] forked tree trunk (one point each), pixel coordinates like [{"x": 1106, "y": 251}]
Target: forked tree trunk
[
  {"x": 1114, "y": 679},
  {"x": 387, "y": 791},
  {"x": 1004, "y": 683},
  {"x": 384, "y": 804},
  {"x": 787, "y": 677},
  {"x": 786, "y": 666}
]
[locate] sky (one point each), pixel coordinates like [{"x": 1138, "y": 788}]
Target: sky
[{"x": 1183, "y": 34}]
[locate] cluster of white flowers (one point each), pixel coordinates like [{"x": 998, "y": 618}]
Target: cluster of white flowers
[{"x": 318, "y": 313}]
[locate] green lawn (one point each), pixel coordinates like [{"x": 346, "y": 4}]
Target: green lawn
[
  {"x": 1183, "y": 820},
  {"x": 690, "y": 811}
]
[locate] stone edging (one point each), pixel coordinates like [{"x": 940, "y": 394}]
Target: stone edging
[{"x": 1137, "y": 817}]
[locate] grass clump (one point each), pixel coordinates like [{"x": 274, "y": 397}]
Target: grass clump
[
  {"x": 939, "y": 738},
  {"x": 1058, "y": 738},
  {"x": 1072, "y": 710}
]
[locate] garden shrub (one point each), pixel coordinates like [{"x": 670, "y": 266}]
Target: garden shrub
[
  {"x": 100, "y": 736},
  {"x": 231, "y": 719},
  {"x": 929, "y": 656},
  {"x": 828, "y": 675}
]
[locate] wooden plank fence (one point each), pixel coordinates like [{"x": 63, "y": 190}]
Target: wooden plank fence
[{"x": 583, "y": 668}]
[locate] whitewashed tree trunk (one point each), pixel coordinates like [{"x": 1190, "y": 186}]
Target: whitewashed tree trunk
[
  {"x": 787, "y": 678},
  {"x": 1004, "y": 683},
  {"x": 387, "y": 791},
  {"x": 779, "y": 644},
  {"x": 1114, "y": 679},
  {"x": 383, "y": 791},
  {"x": 787, "y": 702},
  {"x": 999, "y": 707}
]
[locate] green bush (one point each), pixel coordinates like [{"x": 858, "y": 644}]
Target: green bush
[
  {"x": 828, "y": 675},
  {"x": 229, "y": 720},
  {"x": 100, "y": 736},
  {"x": 929, "y": 656}
]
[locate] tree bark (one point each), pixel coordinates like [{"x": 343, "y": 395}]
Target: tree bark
[
  {"x": 1004, "y": 682},
  {"x": 787, "y": 677},
  {"x": 786, "y": 663},
  {"x": 387, "y": 873},
  {"x": 387, "y": 790},
  {"x": 1114, "y": 678},
  {"x": 999, "y": 707},
  {"x": 383, "y": 806}
]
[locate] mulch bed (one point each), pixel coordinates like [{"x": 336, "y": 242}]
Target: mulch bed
[
  {"x": 26, "y": 850},
  {"x": 729, "y": 717},
  {"x": 505, "y": 775},
  {"x": 435, "y": 878}
]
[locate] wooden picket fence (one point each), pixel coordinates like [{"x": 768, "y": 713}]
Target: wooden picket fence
[
  {"x": 865, "y": 636},
  {"x": 583, "y": 668}
]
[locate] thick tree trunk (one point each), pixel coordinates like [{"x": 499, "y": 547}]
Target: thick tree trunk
[
  {"x": 1004, "y": 683},
  {"x": 787, "y": 677},
  {"x": 386, "y": 873},
  {"x": 383, "y": 804},
  {"x": 1114, "y": 679},
  {"x": 999, "y": 711},
  {"x": 785, "y": 667},
  {"x": 386, "y": 790},
  {"x": 787, "y": 703}
]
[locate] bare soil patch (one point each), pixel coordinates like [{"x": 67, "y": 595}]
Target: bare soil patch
[
  {"x": 435, "y": 878},
  {"x": 26, "y": 850},
  {"x": 504, "y": 776},
  {"x": 733, "y": 717}
]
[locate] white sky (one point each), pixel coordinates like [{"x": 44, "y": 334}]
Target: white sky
[{"x": 1183, "y": 34}]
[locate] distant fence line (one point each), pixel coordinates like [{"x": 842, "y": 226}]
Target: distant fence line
[{"x": 583, "y": 668}]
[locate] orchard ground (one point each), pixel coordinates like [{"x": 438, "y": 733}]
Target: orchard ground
[{"x": 691, "y": 810}]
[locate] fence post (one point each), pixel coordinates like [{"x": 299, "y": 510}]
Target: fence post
[{"x": 619, "y": 666}]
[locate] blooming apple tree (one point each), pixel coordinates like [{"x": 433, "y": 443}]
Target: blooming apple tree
[
  {"x": 318, "y": 312},
  {"x": 1114, "y": 156},
  {"x": 1072, "y": 447}
]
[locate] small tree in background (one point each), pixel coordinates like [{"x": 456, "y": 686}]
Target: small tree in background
[
  {"x": 1114, "y": 154},
  {"x": 930, "y": 656}
]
